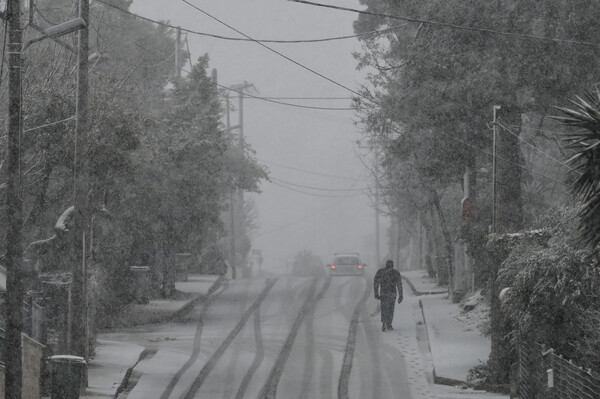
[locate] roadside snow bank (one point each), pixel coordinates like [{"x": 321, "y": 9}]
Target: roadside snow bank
[{"x": 457, "y": 345}]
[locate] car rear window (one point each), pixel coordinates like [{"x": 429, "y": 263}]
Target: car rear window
[{"x": 346, "y": 260}]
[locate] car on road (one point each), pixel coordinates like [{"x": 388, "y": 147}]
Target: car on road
[{"x": 346, "y": 264}]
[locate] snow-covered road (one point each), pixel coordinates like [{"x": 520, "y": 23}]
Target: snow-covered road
[{"x": 288, "y": 337}]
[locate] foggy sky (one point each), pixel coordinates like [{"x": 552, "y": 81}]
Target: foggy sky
[{"x": 313, "y": 140}]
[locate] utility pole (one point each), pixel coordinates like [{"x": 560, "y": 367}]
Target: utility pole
[
  {"x": 239, "y": 201},
  {"x": 178, "y": 54},
  {"x": 231, "y": 198},
  {"x": 496, "y": 108},
  {"x": 14, "y": 209},
  {"x": 377, "y": 247},
  {"x": 79, "y": 333},
  {"x": 372, "y": 147}
]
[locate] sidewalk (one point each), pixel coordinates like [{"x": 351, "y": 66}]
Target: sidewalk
[
  {"x": 450, "y": 342},
  {"x": 114, "y": 360}
]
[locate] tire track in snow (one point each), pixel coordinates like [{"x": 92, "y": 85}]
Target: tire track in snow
[
  {"x": 309, "y": 329},
  {"x": 196, "y": 346},
  {"x": 350, "y": 346},
  {"x": 210, "y": 364},
  {"x": 230, "y": 377},
  {"x": 326, "y": 379},
  {"x": 375, "y": 360},
  {"x": 269, "y": 390},
  {"x": 258, "y": 356}
]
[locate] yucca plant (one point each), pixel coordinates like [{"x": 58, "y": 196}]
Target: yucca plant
[{"x": 584, "y": 140}]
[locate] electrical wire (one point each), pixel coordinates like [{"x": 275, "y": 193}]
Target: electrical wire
[
  {"x": 361, "y": 95},
  {"x": 285, "y": 103},
  {"x": 266, "y": 99},
  {"x": 537, "y": 149},
  {"x": 172, "y": 56},
  {"x": 317, "y": 188},
  {"x": 304, "y": 98},
  {"x": 273, "y": 50},
  {"x": 308, "y": 171},
  {"x": 314, "y": 194},
  {"x": 243, "y": 39},
  {"x": 292, "y": 223},
  {"x": 501, "y": 158},
  {"x": 342, "y": 86},
  {"x": 50, "y": 124},
  {"x": 451, "y": 26}
]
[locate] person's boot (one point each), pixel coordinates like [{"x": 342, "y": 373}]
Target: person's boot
[
  {"x": 383, "y": 327},
  {"x": 389, "y": 327}
]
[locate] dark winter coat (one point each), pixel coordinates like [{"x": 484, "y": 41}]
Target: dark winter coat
[{"x": 386, "y": 282}]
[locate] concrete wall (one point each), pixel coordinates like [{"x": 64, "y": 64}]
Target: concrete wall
[
  {"x": 1, "y": 381},
  {"x": 32, "y": 361}
]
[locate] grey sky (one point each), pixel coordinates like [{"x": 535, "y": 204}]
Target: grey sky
[{"x": 313, "y": 140}]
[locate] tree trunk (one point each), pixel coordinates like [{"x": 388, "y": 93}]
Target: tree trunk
[
  {"x": 13, "y": 381},
  {"x": 429, "y": 246},
  {"x": 449, "y": 248},
  {"x": 509, "y": 196},
  {"x": 436, "y": 239}
]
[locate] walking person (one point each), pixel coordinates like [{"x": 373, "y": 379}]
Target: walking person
[{"x": 386, "y": 285}]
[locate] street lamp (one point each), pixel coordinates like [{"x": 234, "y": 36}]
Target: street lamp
[
  {"x": 55, "y": 31},
  {"x": 495, "y": 109}
]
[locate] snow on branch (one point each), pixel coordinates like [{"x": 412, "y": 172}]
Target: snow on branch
[{"x": 64, "y": 221}]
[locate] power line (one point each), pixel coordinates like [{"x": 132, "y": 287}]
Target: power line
[
  {"x": 273, "y": 50},
  {"x": 451, "y": 26},
  {"x": 242, "y": 39},
  {"x": 305, "y": 98},
  {"x": 503, "y": 159},
  {"x": 292, "y": 223},
  {"x": 315, "y": 194},
  {"x": 50, "y": 124},
  {"x": 309, "y": 172},
  {"x": 330, "y": 80},
  {"x": 537, "y": 149},
  {"x": 353, "y": 91},
  {"x": 317, "y": 188},
  {"x": 266, "y": 99}
]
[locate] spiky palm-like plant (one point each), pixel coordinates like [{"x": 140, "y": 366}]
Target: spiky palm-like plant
[{"x": 584, "y": 141}]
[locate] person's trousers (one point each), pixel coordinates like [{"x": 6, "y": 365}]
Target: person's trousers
[{"x": 387, "y": 309}]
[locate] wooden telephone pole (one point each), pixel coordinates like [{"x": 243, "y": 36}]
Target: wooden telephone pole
[
  {"x": 14, "y": 209},
  {"x": 79, "y": 333}
]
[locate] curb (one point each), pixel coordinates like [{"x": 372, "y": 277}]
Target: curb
[
  {"x": 437, "y": 379},
  {"x": 420, "y": 293},
  {"x": 128, "y": 373},
  {"x": 176, "y": 314},
  {"x": 435, "y": 376},
  {"x": 440, "y": 380}
]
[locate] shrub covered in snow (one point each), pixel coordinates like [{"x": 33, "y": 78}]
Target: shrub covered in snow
[{"x": 554, "y": 296}]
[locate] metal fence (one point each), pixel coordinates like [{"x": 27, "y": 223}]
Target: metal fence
[{"x": 546, "y": 375}]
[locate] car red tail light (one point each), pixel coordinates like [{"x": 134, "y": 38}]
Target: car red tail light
[
  {"x": 333, "y": 266},
  {"x": 360, "y": 266}
]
